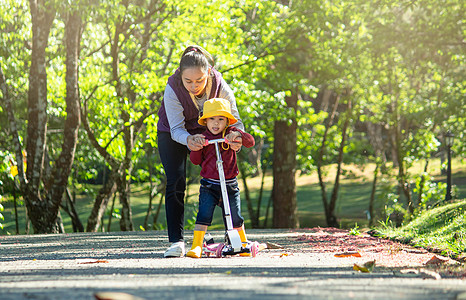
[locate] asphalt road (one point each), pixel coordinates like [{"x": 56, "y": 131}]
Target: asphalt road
[{"x": 130, "y": 265}]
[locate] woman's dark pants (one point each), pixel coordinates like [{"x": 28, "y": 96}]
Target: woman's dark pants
[{"x": 173, "y": 156}]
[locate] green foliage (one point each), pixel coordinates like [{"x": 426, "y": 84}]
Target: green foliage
[
  {"x": 394, "y": 212},
  {"x": 399, "y": 62},
  {"x": 432, "y": 192},
  {"x": 191, "y": 213},
  {"x": 15, "y": 46},
  {"x": 1, "y": 209},
  {"x": 442, "y": 228},
  {"x": 355, "y": 230},
  {"x": 309, "y": 133},
  {"x": 4, "y": 163},
  {"x": 259, "y": 109},
  {"x": 116, "y": 214},
  {"x": 7, "y": 172}
]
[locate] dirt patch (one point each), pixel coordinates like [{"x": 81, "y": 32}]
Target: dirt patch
[{"x": 387, "y": 254}]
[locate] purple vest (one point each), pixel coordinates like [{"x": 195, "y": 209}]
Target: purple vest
[{"x": 190, "y": 111}]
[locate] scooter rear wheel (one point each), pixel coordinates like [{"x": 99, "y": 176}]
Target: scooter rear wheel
[{"x": 219, "y": 251}]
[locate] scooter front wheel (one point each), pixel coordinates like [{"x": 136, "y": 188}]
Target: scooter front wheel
[{"x": 254, "y": 249}]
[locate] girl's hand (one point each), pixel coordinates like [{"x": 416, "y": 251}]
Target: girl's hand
[
  {"x": 235, "y": 140},
  {"x": 196, "y": 142}
]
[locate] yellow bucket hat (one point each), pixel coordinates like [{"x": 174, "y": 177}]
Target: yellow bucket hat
[{"x": 217, "y": 107}]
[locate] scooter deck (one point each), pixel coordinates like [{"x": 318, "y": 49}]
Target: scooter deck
[{"x": 222, "y": 249}]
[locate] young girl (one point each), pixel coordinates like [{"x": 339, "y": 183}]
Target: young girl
[{"x": 218, "y": 118}]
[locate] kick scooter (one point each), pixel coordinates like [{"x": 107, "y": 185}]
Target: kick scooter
[{"x": 232, "y": 245}]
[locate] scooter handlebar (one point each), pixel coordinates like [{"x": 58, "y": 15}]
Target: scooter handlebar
[{"x": 215, "y": 141}]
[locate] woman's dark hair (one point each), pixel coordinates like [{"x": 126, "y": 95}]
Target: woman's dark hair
[{"x": 196, "y": 56}]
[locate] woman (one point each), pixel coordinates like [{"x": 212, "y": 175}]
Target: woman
[{"x": 178, "y": 130}]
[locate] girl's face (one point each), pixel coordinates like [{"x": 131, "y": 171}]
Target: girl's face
[
  {"x": 216, "y": 124},
  {"x": 195, "y": 80}
]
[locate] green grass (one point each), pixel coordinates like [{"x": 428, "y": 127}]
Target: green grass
[
  {"x": 353, "y": 200},
  {"x": 442, "y": 229}
]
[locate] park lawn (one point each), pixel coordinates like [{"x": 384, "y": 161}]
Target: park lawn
[{"x": 353, "y": 201}]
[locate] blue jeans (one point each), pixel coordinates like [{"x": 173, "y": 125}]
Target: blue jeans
[{"x": 210, "y": 195}]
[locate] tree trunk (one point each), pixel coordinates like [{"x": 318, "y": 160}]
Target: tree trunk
[
  {"x": 124, "y": 189},
  {"x": 148, "y": 213},
  {"x": 375, "y": 135},
  {"x": 15, "y": 202},
  {"x": 149, "y": 154},
  {"x": 43, "y": 207},
  {"x": 124, "y": 181},
  {"x": 252, "y": 215},
  {"x": 157, "y": 212},
  {"x": 372, "y": 198},
  {"x": 336, "y": 187},
  {"x": 100, "y": 204},
  {"x": 64, "y": 162},
  {"x": 71, "y": 210},
  {"x": 329, "y": 214},
  {"x": 261, "y": 192},
  {"x": 284, "y": 170},
  {"x": 403, "y": 183},
  {"x": 42, "y": 18},
  {"x": 110, "y": 216}
]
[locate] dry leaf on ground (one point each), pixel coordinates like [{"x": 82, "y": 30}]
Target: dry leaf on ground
[
  {"x": 348, "y": 254},
  {"x": 437, "y": 260},
  {"x": 273, "y": 246},
  {"x": 115, "y": 296},
  {"x": 98, "y": 261},
  {"x": 367, "y": 267}
]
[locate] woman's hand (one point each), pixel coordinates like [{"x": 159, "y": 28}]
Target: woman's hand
[
  {"x": 234, "y": 140},
  {"x": 196, "y": 142}
]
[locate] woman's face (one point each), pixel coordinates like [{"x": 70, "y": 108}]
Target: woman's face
[
  {"x": 216, "y": 124},
  {"x": 195, "y": 80}
]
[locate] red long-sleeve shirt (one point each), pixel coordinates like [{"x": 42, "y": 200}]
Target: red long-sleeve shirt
[{"x": 207, "y": 158}]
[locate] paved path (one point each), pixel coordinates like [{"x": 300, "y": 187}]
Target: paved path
[{"x": 79, "y": 266}]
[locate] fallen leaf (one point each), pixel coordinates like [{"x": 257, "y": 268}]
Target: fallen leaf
[
  {"x": 94, "y": 262},
  {"x": 115, "y": 296},
  {"x": 228, "y": 272},
  {"x": 273, "y": 246},
  {"x": 436, "y": 260},
  {"x": 283, "y": 254},
  {"x": 348, "y": 254},
  {"x": 367, "y": 267}
]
